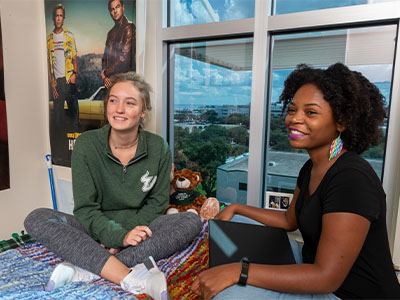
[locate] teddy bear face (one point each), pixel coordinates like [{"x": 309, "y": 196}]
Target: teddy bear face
[{"x": 186, "y": 180}]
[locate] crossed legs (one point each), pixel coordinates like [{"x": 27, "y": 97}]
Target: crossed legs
[{"x": 65, "y": 236}]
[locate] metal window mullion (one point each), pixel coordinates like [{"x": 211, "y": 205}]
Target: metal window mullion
[
  {"x": 170, "y": 84},
  {"x": 391, "y": 178},
  {"x": 255, "y": 175},
  {"x": 208, "y": 30},
  {"x": 160, "y": 76}
]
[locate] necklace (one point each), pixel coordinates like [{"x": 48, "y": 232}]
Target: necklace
[{"x": 128, "y": 146}]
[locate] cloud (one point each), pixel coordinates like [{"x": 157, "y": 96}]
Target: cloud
[
  {"x": 186, "y": 72},
  {"x": 217, "y": 78},
  {"x": 183, "y": 93},
  {"x": 181, "y": 14},
  {"x": 198, "y": 82},
  {"x": 198, "y": 12},
  {"x": 189, "y": 70},
  {"x": 201, "y": 14},
  {"x": 238, "y": 9},
  {"x": 205, "y": 11}
]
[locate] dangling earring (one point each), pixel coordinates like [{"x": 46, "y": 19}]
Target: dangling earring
[{"x": 336, "y": 147}]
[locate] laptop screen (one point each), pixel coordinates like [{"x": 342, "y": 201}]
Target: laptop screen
[{"x": 231, "y": 241}]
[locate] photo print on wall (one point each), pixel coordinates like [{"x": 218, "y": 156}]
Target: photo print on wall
[{"x": 279, "y": 201}]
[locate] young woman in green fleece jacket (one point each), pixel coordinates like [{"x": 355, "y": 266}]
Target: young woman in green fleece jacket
[{"x": 120, "y": 177}]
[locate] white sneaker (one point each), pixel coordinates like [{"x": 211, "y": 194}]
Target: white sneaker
[
  {"x": 65, "y": 273},
  {"x": 146, "y": 278}
]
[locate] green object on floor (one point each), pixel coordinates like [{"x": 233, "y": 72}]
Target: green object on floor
[{"x": 16, "y": 241}]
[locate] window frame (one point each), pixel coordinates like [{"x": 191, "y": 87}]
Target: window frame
[{"x": 261, "y": 27}]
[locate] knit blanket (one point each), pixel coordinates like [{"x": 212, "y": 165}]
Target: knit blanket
[{"x": 25, "y": 270}]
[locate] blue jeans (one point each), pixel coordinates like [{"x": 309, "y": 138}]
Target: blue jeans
[{"x": 237, "y": 292}]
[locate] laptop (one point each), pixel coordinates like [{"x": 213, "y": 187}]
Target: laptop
[{"x": 231, "y": 241}]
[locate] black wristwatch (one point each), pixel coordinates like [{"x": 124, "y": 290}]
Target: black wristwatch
[{"x": 244, "y": 271}]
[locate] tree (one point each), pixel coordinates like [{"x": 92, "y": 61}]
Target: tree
[
  {"x": 278, "y": 139},
  {"x": 181, "y": 116},
  {"x": 180, "y": 134},
  {"x": 374, "y": 152},
  {"x": 377, "y": 151},
  {"x": 237, "y": 150},
  {"x": 237, "y": 119},
  {"x": 210, "y": 116},
  {"x": 214, "y": 131},
  {"x": 202, "y": 151},
  {"x": 239, "y": 135}
]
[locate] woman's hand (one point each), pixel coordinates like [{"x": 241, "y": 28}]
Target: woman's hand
[
  {"x": 227, "y": 213},
  {"x": 136, "y": 236},
  {"x": 212, "y": 281}
]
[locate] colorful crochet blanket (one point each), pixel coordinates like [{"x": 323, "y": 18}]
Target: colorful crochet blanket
[{"x": 25, "y": 270}]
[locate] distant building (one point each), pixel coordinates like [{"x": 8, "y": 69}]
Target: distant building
[
  {"x": 232, "y": 180},
  {"x": 225, "y": 111},
  {"x": 283, "y": 169},
  {"x": 191, "y": 127},
  {"x": 276, "y": 109}
]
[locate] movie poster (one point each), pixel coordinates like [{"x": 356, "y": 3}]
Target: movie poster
[
  {"x": 87, "y": 42},
  {"x": 4, "y": 162}
]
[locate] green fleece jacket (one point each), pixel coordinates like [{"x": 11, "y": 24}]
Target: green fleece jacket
[{"x": 110, "y": 198}]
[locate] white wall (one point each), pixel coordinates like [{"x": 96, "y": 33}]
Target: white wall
[{"x": 25, "y": 75}]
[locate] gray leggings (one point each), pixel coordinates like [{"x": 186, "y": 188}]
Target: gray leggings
[{"x": 65, "y": 236}]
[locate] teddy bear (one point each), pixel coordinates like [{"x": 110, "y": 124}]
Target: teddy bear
[{"x": 184, "y": 197}]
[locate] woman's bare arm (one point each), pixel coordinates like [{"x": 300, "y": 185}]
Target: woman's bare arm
[
  {"x": 281, "y": 219},
  {"x": 342, "y": 237}
]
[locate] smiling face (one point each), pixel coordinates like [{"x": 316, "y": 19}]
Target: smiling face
[
  {"x": 124, "y": 107},
  {"x": 310, "y": 120},
  {"x": 116, "y": 10},
  {"x": 58, "y": 18}
]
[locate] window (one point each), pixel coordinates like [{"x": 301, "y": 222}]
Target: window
[
  {"x": 210, "y": 99},
  {"x": 369, "y": 50},
  {"x": 188, "y": 12},
  {"x": 317, "y": 32}
]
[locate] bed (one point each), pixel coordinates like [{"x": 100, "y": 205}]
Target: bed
[{"x": 26, "y": 265}]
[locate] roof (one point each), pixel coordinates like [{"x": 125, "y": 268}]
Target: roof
[{"x": 282, "y": 163}]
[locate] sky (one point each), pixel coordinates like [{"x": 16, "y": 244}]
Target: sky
[
  {"x": 187, "y": 12},
  {"x": 199, "y": 83},
  {"x": 202, "y": 11},
  {"x": 88, "y": 20},
  {"x": 289, "y": 6}
]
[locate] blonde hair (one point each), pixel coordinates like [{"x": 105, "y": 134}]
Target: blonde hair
[{"x": 58, "y": 6}]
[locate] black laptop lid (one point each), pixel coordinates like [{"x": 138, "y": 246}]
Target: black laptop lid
[{"x": 230, "y": 241}]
